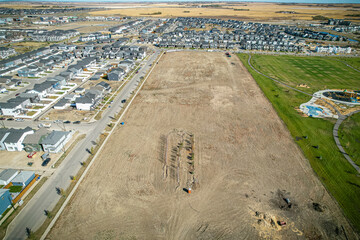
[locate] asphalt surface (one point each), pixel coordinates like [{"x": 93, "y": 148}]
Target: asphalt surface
[
  {"x": 337, "y": 141},
  {"x": 33, "y": 214}
]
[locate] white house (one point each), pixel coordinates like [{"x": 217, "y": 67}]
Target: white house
[
  {"x": 13, "y": 142},
  {"x": 55, "y": 141},
  {"x": 7, "y": 175},
  {"x": 3, "y": 134}
]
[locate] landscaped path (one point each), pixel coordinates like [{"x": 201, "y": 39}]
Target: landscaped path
[{"x": 338, "y": 122}]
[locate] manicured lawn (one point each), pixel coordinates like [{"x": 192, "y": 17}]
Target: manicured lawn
[
  {"x": 38, "y": 107},
  {"x": 15, "y": 188},
  {"x": 316, "y": 72},
  {"x": 349, "y": 135},
  {"x": 31, "y": 113},
  {"x": 337, "y": 175},
  {"x": 354, "y": 62}
]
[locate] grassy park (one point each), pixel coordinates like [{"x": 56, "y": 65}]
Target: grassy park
[
  {"x": 314, "y": 136},
  {"x": 316, "y": 72},
  {"x": 350, "y": 137}
]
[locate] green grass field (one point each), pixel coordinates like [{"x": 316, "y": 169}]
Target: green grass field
[
  {"x": 316, "y": 72},
  {"x": 337, "y": 175},
  {"x": 349, "y": 135},
  {"x": 354, "y": 62}
]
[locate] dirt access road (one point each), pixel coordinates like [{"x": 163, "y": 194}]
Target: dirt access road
[{"x": 244, "y": 166}]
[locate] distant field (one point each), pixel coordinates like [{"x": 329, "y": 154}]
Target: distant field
[
  {"x": 338, "y": 176},
  {"x": 86, "y": 27},
  {"x": 316, "y": 72},
  {"x": 254, "y": 11}
]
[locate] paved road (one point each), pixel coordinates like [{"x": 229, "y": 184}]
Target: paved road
[
  {"x": 337, "y": 141},
  {"x": 337, "y": 124},
  {"x": 32, "y": 216}
]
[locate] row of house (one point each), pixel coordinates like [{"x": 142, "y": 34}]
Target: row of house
[
  {"x": 22, "y": 60},
  {"x": 16, "y": 178},
  {"x": 332, "y": 49},
  {"x": 243, "y": 35},
  {"x": 6, "y": 52},
  {"x": 117, "y": 50},
  {"x": 94, "y": 36},
  {"x": 52, "y": 36},
  {"x": 91, "y": 97},
  {"x": 29, "y": 140},
  {"x": 307, "y": 33},
  {"x": 38, "y": 11}
]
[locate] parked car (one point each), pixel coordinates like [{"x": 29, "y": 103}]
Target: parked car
[
  {"x": 67, "y": 122},
  {"x": 76, "y": 122},
  {"x": 2, "y": 118},
  {"x": 19, "y": 120},
  {"x": 17, "y": 94},
  {"x": 10, "y": 119},
  {"x": 31, "y": 155},
  {"x": 44, "y": 163},
  {"x": 123, "y": 101}
]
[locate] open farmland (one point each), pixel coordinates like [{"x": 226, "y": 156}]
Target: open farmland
[
  {"x": 339, "y": 177},
  {"x": 201, "y": 121},
  {"x": 245, "y": 11}
]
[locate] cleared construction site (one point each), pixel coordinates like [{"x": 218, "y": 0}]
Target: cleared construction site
[{"x": 203, "y": 155}]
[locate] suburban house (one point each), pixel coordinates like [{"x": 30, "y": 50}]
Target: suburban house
[
  {"x": 3, "y": 134},
  {"x": 32, "y": 142},
  {"x": 14, "y": 106},
  {"x": 127, "y": 64},
  {"x": 89, "y": 100},
  {"x": 42, "y": 89},
  {"x": 7, "y": 175},
  {"x": 13, "y": 142},
  {"x": 30, "y": 71},
  {"x": 67, "y": 75},
  {"x": 55, "y": 141},
  {"x": 5, "y": 200},
  {"x": 33, "y": 97},
  {"x": 116, "y": 74},
  {"x": 23, "y": 178},
  {"x": 6, "y": 52},
  {"x": 104, "y": 85},
  {"x": 62, "y": 104}
]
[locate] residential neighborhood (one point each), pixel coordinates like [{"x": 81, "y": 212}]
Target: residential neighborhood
[{"x": 173, "y": 99}]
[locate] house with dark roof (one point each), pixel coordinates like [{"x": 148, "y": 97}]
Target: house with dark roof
[
  {"x": 14, "y": 106},
  {"x": 90, "y": 99},
  {"x": 116, "y": 74},
  {"x": 55, "y": 141},
  {"x": 3, "y": 134},
  {"x": 104, "y": 85},
  {"x": 7, "y": 175},
  {"x": 32, "y": 142},
  {"x": 13, "y": 142},
  {"x": 30, "y": 71}
]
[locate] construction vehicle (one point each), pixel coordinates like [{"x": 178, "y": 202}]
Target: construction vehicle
[{"x": 281, "y": 223}]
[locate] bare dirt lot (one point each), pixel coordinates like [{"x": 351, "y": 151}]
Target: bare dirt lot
[{"x": 201, "y": 122}]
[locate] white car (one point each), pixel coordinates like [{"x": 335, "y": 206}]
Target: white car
[{"x": 19, "y": 120}]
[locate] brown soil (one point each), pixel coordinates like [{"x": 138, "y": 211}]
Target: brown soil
[{"x": 246, "y": 165}]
